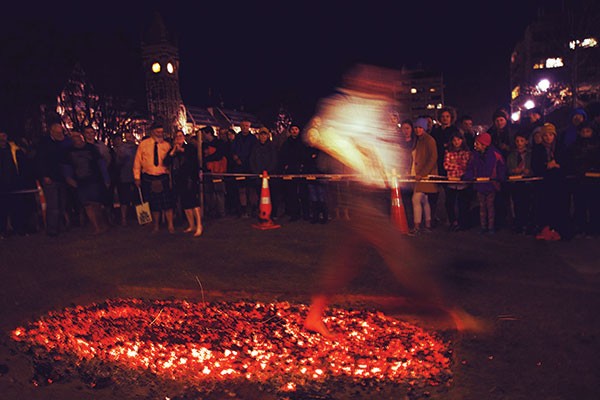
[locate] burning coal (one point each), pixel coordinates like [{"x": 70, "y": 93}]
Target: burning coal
[{"x": 198, "y": 343}]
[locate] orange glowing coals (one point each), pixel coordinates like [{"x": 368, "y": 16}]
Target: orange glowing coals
[{"x": 264, "y": 342}]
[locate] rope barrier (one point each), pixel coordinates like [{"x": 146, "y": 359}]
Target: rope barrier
[
  {"x": 438, "y": 179},
  {"x": 401, "y": 179}
]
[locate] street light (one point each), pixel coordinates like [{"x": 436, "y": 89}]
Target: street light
[
  {"x": 543, "y": 85},
  {"x": 515, "y": 116},
  {"x": 529, "y": 104}
]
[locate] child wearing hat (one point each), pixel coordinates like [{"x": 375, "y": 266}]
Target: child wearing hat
[
  {"x": 547, "y": 160},
  {"x": 487, "y": 168}
]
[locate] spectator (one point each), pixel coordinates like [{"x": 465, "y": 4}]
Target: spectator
[
  {"x": 456, "y": 158},
  {"x": 406, "y": 145},
  {"x": 465, "y": 126},
  {"x": 151, "y": 174},
  {"x": 503, "y": 140},
  {"x": 124, "y": 158},
  {"x": 547, "y": 161},
  {"x": 317, "y": 189},
  {"x": 215, "y": 161},
  {"x": 85, "y": 170},
  {"x": 232, "y": 197},
  {"x": 584, "y": 158},
  {"x": 487, "y": 164},
  {"x": 569, "y": 135},
  {"x": 50, "y": 157},
  {"x": 442, "y": 134},
  {"x": 241, "y": 149},
  {"x": 518, "y": 164},
  {"x": 183, "y": 161},
  {"x": 291, "y": 160},
  {"x": 424, "y": 164}
]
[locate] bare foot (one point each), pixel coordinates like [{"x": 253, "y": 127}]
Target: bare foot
[
  {"x": 171, "y": 229},
  {"x": 188, "y": 230},
  {"x": 198, "y": 232},
  {"x": 466, "y": 322},
  {"x": 317, "y": 325}
]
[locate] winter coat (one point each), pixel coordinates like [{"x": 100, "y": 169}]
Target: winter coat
[
  {"x": 488, "y": 164},
  {"x": 425, "y": 162}
]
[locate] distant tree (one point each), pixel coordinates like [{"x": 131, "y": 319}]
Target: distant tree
[
  {"x": 79, "y": 106},
  {"x": 283, "y": 121}
]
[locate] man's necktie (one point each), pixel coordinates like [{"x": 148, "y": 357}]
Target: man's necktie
[{"x": 156, "y": 154}]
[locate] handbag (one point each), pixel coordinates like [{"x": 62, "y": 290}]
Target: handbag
[{"x": 142, "y": 210}]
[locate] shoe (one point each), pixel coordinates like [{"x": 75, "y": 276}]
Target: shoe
[
  {"x": 553, "y": 236},
  {"x": 414, "y": 232},
  {"x": 544, "y": 233}
]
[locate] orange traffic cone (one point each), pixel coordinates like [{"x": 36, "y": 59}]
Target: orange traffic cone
[
  {"x": 265, "y": 208},
  {"x": 398, "y": 213}
]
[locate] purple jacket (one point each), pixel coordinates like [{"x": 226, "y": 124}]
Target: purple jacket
[{"x": 488, "y": 164}]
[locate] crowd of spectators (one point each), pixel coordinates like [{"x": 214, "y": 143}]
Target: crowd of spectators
[{"x": 535, "y": 177}]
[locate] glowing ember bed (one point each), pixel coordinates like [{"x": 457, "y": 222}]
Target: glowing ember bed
[{"x": 200, "y": 344}]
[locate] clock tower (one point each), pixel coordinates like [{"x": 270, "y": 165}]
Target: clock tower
[{"x": 160, "y": 58}]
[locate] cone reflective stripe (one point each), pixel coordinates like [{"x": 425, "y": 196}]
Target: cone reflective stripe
[
  {"x": 398, "y": 213},
  {"x": 265, "y": 208}
]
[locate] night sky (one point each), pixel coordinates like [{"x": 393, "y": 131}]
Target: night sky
[{"x": 263, "y": 56}]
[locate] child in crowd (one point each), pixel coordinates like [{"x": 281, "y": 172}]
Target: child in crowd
[
  {"x": 547, "y": 159},
  {"x": 456, "y": 159},
  {"x": 518, "y": 164},
  {"x": 486, "y": 166}
]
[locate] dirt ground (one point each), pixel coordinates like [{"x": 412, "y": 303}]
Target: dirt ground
[{"x": 540, "y": 298}]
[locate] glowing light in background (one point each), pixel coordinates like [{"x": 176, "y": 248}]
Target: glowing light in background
[
  {"x": 516, "y": 116},
  {"x": 543, "y": 85},
  {"x": 529, "y": 104},
  {"x": 197, "y": 343}
]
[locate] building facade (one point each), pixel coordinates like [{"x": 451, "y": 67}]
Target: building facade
[
  {"x": 420, "y": 93},
  {"x": 557, "y": 62},
  {"x": 160, "y": 58}
]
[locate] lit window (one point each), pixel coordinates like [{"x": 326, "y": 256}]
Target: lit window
[
  {"x": 156, "y": 68},
  {"x": 432, "y": 90},
  {"x": 170, "y": 68},
  {"x": 439, "y": 106},
  {"x": 538, "y": 66},
  {"x": 515, "y": 92},
  {"x": 589, "y": 42},
  {"x": 413, "y": 90},
  {"x": 573, "y": 44},
  {"x": 430, "y": 106},
  {"x": 585, "y": 43},
  {"x": 529, "y": 104},
  {"x": 554, "y": 62},
  {"x": 515, "y": 116}
]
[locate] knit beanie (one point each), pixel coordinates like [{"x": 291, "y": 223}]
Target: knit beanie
[
  {"x": 421, "y": 122},
  {"x": 484, "y": 139},
  {"x": 549, "y": 128}
]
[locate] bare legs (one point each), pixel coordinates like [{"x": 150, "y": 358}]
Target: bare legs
[
  {"x": 189, "y": 215},
  {"x": 198, "y": 217},
  {"x": 156, "y": 220}
]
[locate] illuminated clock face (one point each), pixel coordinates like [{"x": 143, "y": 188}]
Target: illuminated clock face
[
  {"x": 156, "y": 68},
  {"x": 170, "y": 68}
]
